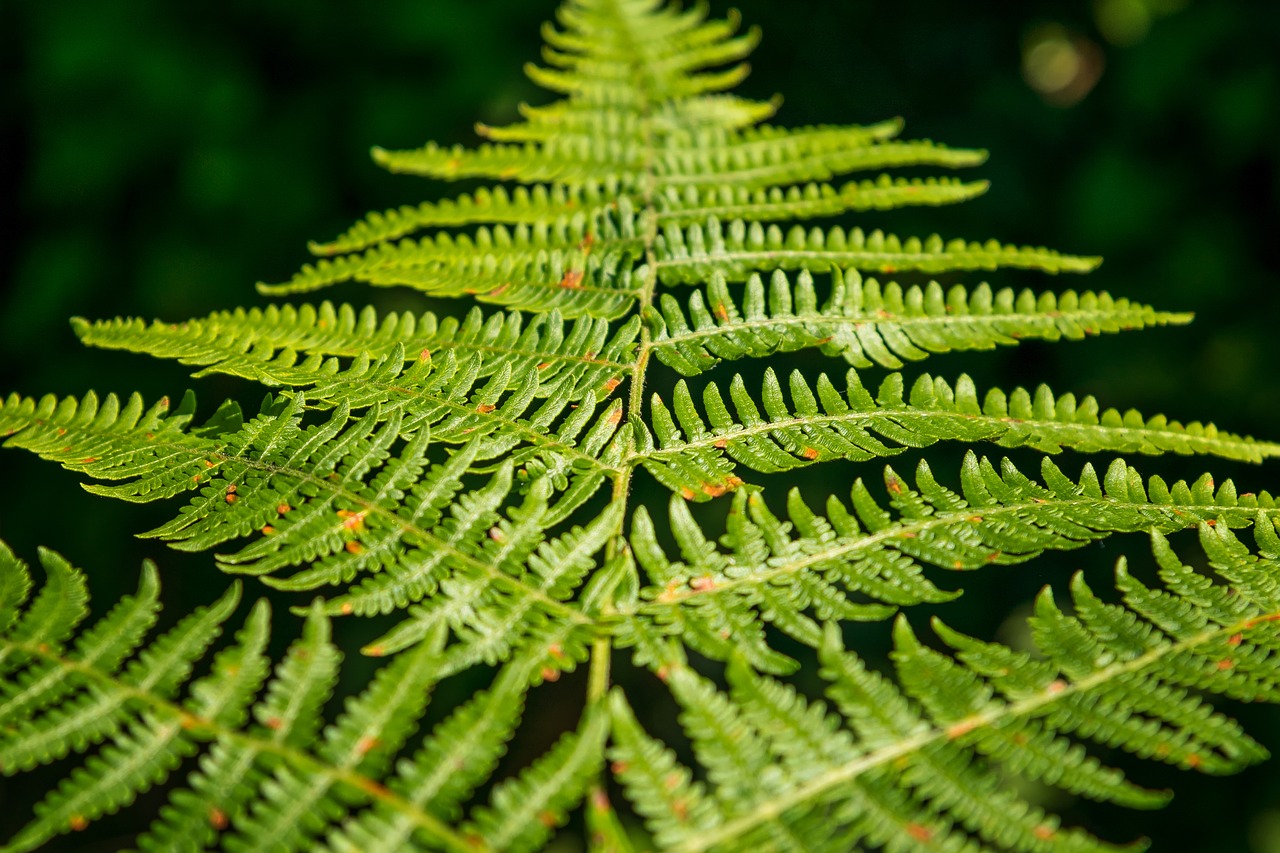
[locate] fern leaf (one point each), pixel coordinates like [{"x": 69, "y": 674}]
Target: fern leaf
[
  {"x": 694, "y": 254},
  {"x": 295, "y": 346},
  {"x": 691, "y": 204},
  {"x": 1110, "y": 674},
  {"x": 520, "y": 205},
  {"x": 869, "y": 325},
  {"x": 717, "y": 599},
  {"x": 822, "y": 424},
  {"x": 523, "y": 811}
]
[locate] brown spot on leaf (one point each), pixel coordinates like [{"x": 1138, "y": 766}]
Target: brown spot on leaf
[
  {"x": 485, "y": 408},
  {"x": 572, "y": 279}
]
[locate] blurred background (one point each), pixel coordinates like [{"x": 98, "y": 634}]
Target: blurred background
[{"x": 158, "y": 158}]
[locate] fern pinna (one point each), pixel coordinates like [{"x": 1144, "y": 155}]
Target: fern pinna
[{"x": 472, "y": 474}]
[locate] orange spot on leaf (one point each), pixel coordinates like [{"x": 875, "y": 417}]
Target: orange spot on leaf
[
  {"x": 572, "y": 279},
  {"x": 919, "y": 833}
]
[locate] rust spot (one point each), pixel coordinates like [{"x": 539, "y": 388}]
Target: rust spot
[
  {"x": 686, "y": 493},
  {"x": 722, "y": 443},
  {"x": 485, "y": 408},
  {"x": 367, "y": 744},
  {"x": 354, "y": 547},
  {"x": 958, "y": 564},
  {"x": 151, "y": 435},
  {"x": 556, "y": 651},
  {"x": 217, "y": 818},
  {"x": 78, "y": 823},
  {"x": 283, "y": 509},
  {"x": 610, "y": 384},
  {"x": 615, "y": 416},
  {"x": 547, "y": 818},
  {"x": 88, "y": 459},
  {"x": 231, "y": 497},
  {"x": 496, "y": 534},
  {"x": 1193, "y": 761},
  {"x": 1212, "y": 523},
  {"x": 424, "y": 355},
  {"x": 703, "y": 583},
  {"x": 1225, "y": 664},
  {"x": 572, "y": 279},
  {"x": 346, "y": 608},
  {"x": 976, "y": 519},
  {"x": 894, "y": 485},
  {"x": 672, "y": 781},
  {"x": 919, "y": 833},
  {"x": 500, "y": 289},
  {"x": 550, "y": 674},
  {"x": 375, "y": 651},
  {"x": 274, "y": 723},
  {"x": 267, "y": 530},
  {"x": 713, "y": 489},
  {"x": 810, "y": 453},
  {"x": 544, "y": 365},
  {"x": 961, "y": 728},
  {"x": 1235, "y": 640},
  {"x": 722, "y": 312},
  {"x": 599, "y": 800},
  {"x": 1044, "y": 833},
  {"x": 1056, "y": 686},
  {"x": 619, "y": 767},
  {"x": 353, "y": 521},
  {"x": 663, "y": 673},
  {"x": 586, "y": 244},
  {"x": 196, "y": 478},
  {"x": 208, "y": 464}
]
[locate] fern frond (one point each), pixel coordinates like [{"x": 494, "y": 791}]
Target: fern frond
[
  {"x": 693, "y": 455},
  {"x": 292, "y": 346},
  {"x": 295, "y": 491},
  {"x": 920, "y": 762},
  {"x": 692, "y": 255},
  {"x": 476, "y": 475},
  {"x": 287, "y": 779},
  {"x": 527, "y": 205},
  {"x": 869, "y": 324},
  {"x": 794, "y": 574},
  {"x": 691, "y": 205}
]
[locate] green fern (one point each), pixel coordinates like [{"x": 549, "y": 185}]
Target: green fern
[{"x": 475, "y": 476}]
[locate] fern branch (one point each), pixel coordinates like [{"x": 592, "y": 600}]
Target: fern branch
[
  {"x": 694, "y": 254},
  {"x": 920, "y": 739},
  {"x": 284, "y": 760},
  {"x": 717, "y": 599},
  {"x": 822, "y": 424},
  {"x": 288, "y": 345},
  {"x": 869, "y": 324}
]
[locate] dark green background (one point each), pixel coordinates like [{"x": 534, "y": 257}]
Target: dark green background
[{"x": 158, "y": 158}]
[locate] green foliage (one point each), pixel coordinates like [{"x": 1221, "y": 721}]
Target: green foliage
[{"x": 475, "y": 477}]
